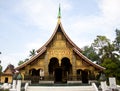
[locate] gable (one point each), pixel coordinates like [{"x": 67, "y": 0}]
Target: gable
[
  {"x": 59, "y": 47},
  {"x": 59, "y": 41},
  {"x": 8, "y": 71}
]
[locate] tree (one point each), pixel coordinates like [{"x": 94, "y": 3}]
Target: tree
[
  {"x": 117, "y": 40},
  {"x": 99, "y": 43},
  {"x": 26, "y": 59},
  {"x": 108, "y": 55},
  {"x": 0, "y": 65},
  {"x": 110, "y": 66},
  {"x": 32, "y": 53},
  {"x": 90, "y": 53},
  {"x": 0, "y": 69},
  {"x": 20, "y": 62},
  {"x": 0, "y": 60}
]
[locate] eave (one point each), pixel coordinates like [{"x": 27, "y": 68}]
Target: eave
[
  {"x": 88, "y": 60},
  {"x": 31, "y": 59}
]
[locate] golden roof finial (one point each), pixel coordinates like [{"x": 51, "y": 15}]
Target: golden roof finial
[{"x": 59, "y": 14}]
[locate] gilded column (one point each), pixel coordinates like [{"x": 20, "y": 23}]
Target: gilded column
[
  {"x": 46, "y": 66},
  {"x": 74, "y": 66}
]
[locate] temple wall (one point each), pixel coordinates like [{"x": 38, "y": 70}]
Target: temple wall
[{"x": 7, "y": 76}]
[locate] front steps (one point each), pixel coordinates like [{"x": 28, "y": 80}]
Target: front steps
[{"x": 61, "y": 88}]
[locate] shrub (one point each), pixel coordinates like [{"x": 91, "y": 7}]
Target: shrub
[{"x": 4, "y": 89}]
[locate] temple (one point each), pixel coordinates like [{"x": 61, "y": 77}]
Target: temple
[
  {"x": 59, "y": 60},
  {"x": 7, "y": 75}
]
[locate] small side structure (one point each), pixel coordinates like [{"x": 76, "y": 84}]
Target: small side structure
[{"x": 7, "y": 75}]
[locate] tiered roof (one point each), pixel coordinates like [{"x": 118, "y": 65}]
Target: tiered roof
[{"x": 76, "y": 49}]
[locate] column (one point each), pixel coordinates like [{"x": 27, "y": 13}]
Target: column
[
  {"x": 74, "y": 67},
  {"x": 46, "y": 66}
]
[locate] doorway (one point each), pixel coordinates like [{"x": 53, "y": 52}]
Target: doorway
[
  {"x": 84, "y": 76},
  {"x": 6, "y": 79},
  {"x": 58, "y": 75}
]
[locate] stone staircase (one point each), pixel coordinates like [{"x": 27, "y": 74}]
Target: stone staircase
[{"x": 61, "y": 88}]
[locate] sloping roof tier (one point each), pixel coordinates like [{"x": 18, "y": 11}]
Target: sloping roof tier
[
  {"x": 76, "y": 49},
  {"x": 31, "y": 59},
  {"x": 88, "y": 60}
]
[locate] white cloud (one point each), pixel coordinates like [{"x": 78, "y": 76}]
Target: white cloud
[
  {"x": 110, "y": 8},
  {"x": 85, "y": 29},
  {"x": 111, "y": 14},
  {"x": 34, "y": 45},
  {"x": 110, "y": 11},
  {"x": 40, "y": 13}
]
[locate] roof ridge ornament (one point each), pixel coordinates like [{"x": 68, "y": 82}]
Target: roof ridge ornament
[{"x": 59, "y": 14}]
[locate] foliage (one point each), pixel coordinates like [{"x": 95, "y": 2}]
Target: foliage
[
  {"x": 20, "y": 62},
  {"x": 32, "y": 53},
  {"x": 110, "y": 67},
  {"x": 0, "y": 68},
  {"x": 100, "y": 42},
  {"x": 0, "y": 65},
  {"x": 90, "y": 53},
  {"x": 107, "y": 53},
  {"x": 4, "y": 89},
  {"x": 117, "y": 40}
]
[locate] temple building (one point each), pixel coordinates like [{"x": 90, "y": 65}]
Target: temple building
[
  {"x": 59, "y": 60},
  {"x": 7, "y": 75}
]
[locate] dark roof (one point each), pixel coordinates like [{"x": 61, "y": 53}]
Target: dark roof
[{"x": 11, "y": 67}]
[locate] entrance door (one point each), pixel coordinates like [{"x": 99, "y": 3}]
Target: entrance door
[
  {"x": 84, "y": 76},
  {"x": 6, "y": 79},
  {"x": 58, "y": 75}
]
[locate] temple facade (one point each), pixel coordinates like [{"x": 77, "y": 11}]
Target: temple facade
[{"x": 59, "y": 60}]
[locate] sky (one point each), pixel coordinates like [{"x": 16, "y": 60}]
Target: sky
[{"x": 28, "y": 24}]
